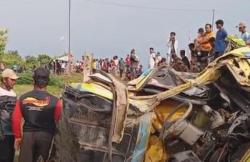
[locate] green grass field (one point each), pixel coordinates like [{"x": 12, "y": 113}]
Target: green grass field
[
  {"x": 55, "y": 90},
  {"x": 21, "y": 89}
]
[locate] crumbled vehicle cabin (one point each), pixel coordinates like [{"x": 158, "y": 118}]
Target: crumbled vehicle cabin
[{"x": 164, "y": 115}]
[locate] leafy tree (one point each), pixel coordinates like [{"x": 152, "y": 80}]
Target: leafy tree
[
  {"x": 12, "y": 58},
  {"x": 43, "y": 59},
  {"x": 9, "y": 58},
  {"x": 31, "y": 61},
  {"x": 3, "y": 39}
]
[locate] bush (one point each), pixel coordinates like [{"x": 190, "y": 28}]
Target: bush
[
  {"x": 57, "y": 82},
  {"x": 26, "y": 78}
]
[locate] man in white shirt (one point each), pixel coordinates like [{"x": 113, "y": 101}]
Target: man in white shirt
[
  {"x": 172, "y": 46},
  {"x": 152, "y": 56},
  {"x": 244, "y": 34},
  {"x": 7, "y": 104},
  {"x": 63, "y": 66}
]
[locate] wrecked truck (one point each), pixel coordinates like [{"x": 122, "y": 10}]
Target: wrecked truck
[{"x": 164, "y": 115}]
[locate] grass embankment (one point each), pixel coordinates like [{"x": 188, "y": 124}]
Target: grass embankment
[
  {"x": 56, "y": 84},
  {"x": 21, "y": 89}
]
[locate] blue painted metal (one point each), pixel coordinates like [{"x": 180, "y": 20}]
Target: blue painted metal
[{"x": 143, "y": 137}]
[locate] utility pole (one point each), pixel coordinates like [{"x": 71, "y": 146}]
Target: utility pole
[
  {"x": 69, "y": 48},
  {"x": 213, "y": 19}
]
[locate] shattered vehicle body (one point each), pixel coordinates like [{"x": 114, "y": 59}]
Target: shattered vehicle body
[
  {"x": 163, "y": 115},
  {"x": 215, "y": 121}
]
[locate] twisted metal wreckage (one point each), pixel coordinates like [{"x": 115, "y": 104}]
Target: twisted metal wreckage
[{"x": 163, "y": 115}]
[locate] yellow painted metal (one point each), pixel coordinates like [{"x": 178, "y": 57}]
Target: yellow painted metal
[
  {"x": 155, "y": 150},
  {"x": 163, "y": 110},
  {"x": 137, "y": 84},
  {"x": 246, "y": 157},
  {"x": 209, "y": 75},
  {"x": 240, "y": 69},
  {"x": 94, "y": 88}
]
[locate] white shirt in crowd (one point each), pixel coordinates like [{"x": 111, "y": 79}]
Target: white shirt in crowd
[
  {"x": 170, "y": 46},
  {"x": 116, "y": 62},
  {"x": 246, "y": 37},
  {"x": 158, "y": 59},
  {"x": 4, "y": 92},
  {"x": 63, "y": 65},
  {"x": 152, "y": 60},
  {"x": 78, "y": 64}
]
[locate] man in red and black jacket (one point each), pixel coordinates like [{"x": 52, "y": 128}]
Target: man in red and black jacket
[{"x": 40, "y": 111}]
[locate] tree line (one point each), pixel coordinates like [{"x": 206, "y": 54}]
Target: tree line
[{"x": 13, "y": 58}]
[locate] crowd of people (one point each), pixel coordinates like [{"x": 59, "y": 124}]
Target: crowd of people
[
  {"x": 206, "y": 47},
  {"x": 56, "y": 66},
  {"x": 128, "y": 68}
]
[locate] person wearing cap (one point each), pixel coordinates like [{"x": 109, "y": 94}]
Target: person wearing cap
[
  {"x": 7, "y": 104},
  {"x": 244, "y": 34},
  {"x": 40, "y": 111}
]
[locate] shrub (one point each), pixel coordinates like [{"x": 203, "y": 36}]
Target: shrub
[
  {"x": 57, "y": 82},
  {"x": 26, "y": 78}
]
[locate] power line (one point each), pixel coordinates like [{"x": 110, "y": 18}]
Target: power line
[{"x": 146, "y": 7}]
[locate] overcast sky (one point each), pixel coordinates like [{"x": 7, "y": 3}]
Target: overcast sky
[{"x": 111, "y": 27}]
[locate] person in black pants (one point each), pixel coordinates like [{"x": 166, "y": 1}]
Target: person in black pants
[
  {"x": 40, "y": 111},
  {"x": 7, "y": 104}
]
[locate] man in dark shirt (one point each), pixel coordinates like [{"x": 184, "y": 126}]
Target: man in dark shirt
[
  {"x": 40, "y": 111},
  {"x": 121, "y": 67},
  {"x": 220, "y": 39},
  {"x": 185, "y": 59},
  {"x": 134, "y": 61}
]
